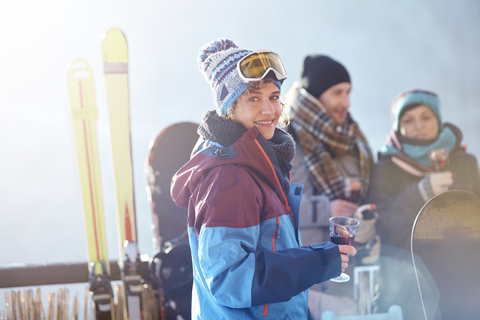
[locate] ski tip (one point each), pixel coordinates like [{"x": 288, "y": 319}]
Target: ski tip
[
  {"x": 79, "y": 69},
  {"x": 114, "y": 46}
]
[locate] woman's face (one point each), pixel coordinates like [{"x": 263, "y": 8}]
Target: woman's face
[
  {"x": 419, "y": 123},
  {"x": 260, "y": 108}
]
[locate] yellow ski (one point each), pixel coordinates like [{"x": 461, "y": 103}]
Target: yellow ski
[
  {"x": 84, "y": 116},
  {"x": 115, "y": 67}
]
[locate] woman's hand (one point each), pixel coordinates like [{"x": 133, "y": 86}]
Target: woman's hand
[
  {"x": 345, "y": 252},
  {"x": 344, "y": 208}
]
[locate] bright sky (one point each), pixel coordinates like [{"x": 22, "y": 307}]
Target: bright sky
[{"x": 387, "y": 46}]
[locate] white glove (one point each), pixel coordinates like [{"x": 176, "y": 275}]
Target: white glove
[
  {"x": 366, "y": 229},
  {"x": 434, "y": 184},
  {"x": 367, "y": 241}
]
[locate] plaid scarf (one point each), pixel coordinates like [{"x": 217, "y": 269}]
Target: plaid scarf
[{"x": 322, "y": 140}]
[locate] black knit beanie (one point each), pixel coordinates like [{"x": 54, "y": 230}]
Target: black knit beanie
[{"x": 320, "y": 72}]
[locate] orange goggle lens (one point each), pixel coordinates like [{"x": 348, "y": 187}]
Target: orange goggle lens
[{"x": 256, "y": 65}]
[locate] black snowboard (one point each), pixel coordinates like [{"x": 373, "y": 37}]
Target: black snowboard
[
  {"x": 171, "y": 266},
  {"x": 446, "y": 237},
  {"x": 167, "y": 153}
]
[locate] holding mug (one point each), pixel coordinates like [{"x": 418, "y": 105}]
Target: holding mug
[{"x": 353, "y": 189}]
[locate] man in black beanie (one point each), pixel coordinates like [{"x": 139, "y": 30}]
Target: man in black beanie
[
  {"x": 331, "y": 151},
  {"x": 320, "y": 73}
]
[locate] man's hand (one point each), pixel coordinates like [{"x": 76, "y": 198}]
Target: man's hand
[{"x": 344, "y": 208}]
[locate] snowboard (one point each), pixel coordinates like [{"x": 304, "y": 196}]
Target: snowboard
[
  {"x": 171, "y": 266},
  {"x": 84, "y": 117},
  {"x": 167, "y": 153},
  {"x": 445, "y": 250}
]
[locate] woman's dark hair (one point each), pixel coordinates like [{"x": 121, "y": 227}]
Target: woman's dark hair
[{"x": 409, "y": 107}]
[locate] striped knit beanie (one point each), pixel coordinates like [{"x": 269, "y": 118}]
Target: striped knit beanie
[
  {"x": 406, "y": 99},
  {"x": 218, "y": 62}
]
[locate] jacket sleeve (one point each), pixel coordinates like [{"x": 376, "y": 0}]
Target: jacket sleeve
[
  {"x": 398, "y": 202},
  {"x": 280, "y": 275},
  {"x": 228, "y": 207},
  {"x": 467, "y": 173}
]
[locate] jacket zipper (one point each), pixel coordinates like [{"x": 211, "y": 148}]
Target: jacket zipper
[
  {"x": 265, "y": 307},
  {"x": 285, "y": 201},
  {"x": 284, "y": 197}
]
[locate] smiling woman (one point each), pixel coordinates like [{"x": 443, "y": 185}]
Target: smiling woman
[
  {"x": 404, "y": 179},
  {"x": 247, "y": 257}
]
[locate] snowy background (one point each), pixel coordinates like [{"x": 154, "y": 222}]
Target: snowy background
[{"x": 387, "y": 46}]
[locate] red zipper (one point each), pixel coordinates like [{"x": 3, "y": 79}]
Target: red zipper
[
  {"x": 285, "y": 201},
  {"x": 265, "y": 307}
]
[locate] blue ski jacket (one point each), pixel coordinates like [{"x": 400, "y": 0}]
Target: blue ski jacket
[{"x": 248, "y": 262}]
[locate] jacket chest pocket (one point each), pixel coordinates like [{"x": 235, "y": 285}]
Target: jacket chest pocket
[{"x": 284, "y": 234}]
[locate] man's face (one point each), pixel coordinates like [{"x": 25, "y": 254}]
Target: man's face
[{"x": 336, "y": 101}]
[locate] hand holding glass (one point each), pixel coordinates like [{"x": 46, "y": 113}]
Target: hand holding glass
[
  {"x": 343, "y": 231},
  {"x": 438, "y": 159},
  {"x": 353, "y": 189}
]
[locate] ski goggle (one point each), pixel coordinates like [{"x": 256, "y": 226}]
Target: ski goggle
[{"x": 256, "y": 65}]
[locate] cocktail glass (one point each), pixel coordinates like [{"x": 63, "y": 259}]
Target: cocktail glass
[
  {"x": 353, "y": 189},
  {"x": 439, "y": 159},
  {"x": 343, "y": 231}
]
